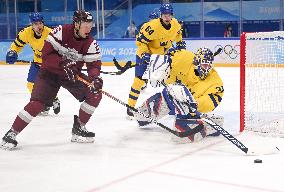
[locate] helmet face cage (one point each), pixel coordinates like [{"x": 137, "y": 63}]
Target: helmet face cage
[
  {"x": 35, "y": 17},
  {"x": 166, "y": 9},
  {"x": 203, "y": 62},
  {"x": 81, "y": 15}
]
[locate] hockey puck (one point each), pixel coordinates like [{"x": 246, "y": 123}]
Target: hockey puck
[{"x": 257, "y": 161}]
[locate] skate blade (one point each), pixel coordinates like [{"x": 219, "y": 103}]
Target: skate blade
[
  {"x": 130, "y": 118},
  {"x": 56, "y": 111},
  {"x": 79, "y": 139},
  {"x": 7, "y": 146},
  {"x": 44, "y": 113}
]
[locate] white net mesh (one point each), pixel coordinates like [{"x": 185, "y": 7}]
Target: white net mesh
[{"x": 264, "y": 83}]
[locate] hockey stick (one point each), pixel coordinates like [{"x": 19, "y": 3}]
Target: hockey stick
[
  {"x": 237, "y": 143},
  {"x": 126, "y": 67},
  {"x": 109, "y": 72},
  {"x": 217, "y": 52},
  {"x": 23, "y": 61},
  {"x": 177, "y": 133},
  {"x": 121, "y": 69}
]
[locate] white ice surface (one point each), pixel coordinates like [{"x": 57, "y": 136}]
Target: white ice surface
[{"x": 124, "y": 157}]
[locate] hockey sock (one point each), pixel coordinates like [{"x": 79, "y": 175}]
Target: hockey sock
[
  {"x": 30, "y": 86},
  {"x": 85, "y": 112},
  {"x": 135, "y": 91},
  {"x": 31, "y": 110}
]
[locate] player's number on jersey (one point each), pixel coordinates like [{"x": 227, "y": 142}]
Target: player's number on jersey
[
  {"x": 220, "y": 89},
  {"x": 149, "y": 30},
  {"x": 55, "y": 30}
]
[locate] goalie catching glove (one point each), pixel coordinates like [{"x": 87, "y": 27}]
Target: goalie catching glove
[{"x": 158, "y": 70}]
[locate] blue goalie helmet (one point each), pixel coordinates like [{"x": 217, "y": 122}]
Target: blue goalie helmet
[
  {"x": 154, "y": 15},
  {"x": 166, "y": 9},
  {"x": 35, "y": 17},
  {"x": 203, "y": 62}
]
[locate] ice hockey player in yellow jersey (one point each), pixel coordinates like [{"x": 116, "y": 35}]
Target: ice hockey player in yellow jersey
[
  {"x": 155, "y": 37},
  {"x": 34, "y": 35},
  {"x": 193, "y": 88},
  {"x": 206, "y": 89}
]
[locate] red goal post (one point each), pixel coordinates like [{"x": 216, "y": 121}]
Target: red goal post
[{"x": 262, "y": 82}]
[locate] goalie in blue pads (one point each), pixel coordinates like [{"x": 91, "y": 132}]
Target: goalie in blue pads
[{"x": 193, "y": 88}]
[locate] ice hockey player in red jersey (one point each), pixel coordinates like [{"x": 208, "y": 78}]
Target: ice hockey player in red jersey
[{"x": 65, "y": 51}]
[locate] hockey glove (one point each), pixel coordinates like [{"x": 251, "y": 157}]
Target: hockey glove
[
  {"x": 97, "y": 84},
  {"x": 159, "y": 69},
  {"x": 70, "y": 69},
  {"x": 171, "y": 51},
  {"x": 145, "y": 58},
  {"x": 180, "y": 45},
  {"x": 11, "y": 57}
]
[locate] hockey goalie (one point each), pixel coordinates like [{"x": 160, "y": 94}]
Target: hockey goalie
[{"x": 192, "y": 90}]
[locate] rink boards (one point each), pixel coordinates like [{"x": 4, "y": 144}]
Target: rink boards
[{"x": 124, "y": 50}]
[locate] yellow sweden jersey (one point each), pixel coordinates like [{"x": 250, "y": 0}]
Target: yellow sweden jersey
[
  {"x": 153, "y": 38},
  {"x": 27, "y": 36},
  {"x": 208, "y": 93}
]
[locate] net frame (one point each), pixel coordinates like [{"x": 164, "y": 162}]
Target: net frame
[{"x": 261, "y": 75}]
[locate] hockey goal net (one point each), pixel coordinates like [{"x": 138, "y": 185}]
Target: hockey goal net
[{"x": 262, "y": 83}]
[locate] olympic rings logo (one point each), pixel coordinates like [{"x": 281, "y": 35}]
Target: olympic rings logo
[{"x": 228, "y": 51}]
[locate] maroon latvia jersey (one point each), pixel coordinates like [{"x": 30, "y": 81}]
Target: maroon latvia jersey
[{"x": 61, "y": 45}]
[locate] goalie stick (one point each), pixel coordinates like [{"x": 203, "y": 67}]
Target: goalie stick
[
  {"x": 177, "y": 133},
  {"x": 237, "y": 143}
]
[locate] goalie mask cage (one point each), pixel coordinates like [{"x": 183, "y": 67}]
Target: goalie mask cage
[{"x": 262, "y": 83}]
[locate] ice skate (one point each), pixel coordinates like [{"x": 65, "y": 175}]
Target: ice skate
[
  {"x": 56, "y": 106},
  {"x": 80, "y": 134},
  {"x": 9, "y": 140},
  {"x": 130, "y": 114},
  {"x": 45, "y": 111}
]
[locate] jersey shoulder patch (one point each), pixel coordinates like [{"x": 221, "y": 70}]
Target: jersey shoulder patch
[
  {"x": 57, "y": 32},
  {"x": 93, "y": 53}
]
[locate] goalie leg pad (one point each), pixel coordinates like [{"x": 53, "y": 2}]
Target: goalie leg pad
[
  {"x": 189, "y": 124},
  {"x": 180, "y": 104},
  {"x": 155, "y": 107}
]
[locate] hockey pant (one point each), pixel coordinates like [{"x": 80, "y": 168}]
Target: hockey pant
[
  {"x": 33, "y": 71},
  {"x": 138, "y": 82}
]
